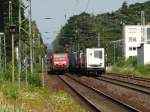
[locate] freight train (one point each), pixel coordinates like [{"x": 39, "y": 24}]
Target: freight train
[{"x": 88, "y": 61}]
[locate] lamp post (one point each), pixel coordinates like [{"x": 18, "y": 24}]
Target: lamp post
[{"x": 12, "y": 29}]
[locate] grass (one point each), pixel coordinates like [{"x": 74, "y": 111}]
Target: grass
[
  {"x": 131, "y": 67},
  {"x": 62, "y": 102},
  {"x": 33, "y": 98},
  {"x": 17, "y": 99},
  {"x": 36, "y": 99}
]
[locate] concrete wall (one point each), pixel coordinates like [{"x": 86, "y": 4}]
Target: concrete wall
[
  {"x": 146, "y": 53},
  {"x": 140, "y": 55},
  {"x": 143, "y": 55}
]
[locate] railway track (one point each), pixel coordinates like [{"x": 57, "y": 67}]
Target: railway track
[
  {"x": 96, "y": 98},
  {"x": 127, "y": 76},
  {"x": 133, "y": 86},
  {"x": 136, "y": 80}
]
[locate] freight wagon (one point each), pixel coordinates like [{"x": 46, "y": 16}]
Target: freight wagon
[{"x": 88, "y": 61}]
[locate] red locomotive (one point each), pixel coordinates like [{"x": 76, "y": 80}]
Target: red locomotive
[{"x": 59, "y": 62}]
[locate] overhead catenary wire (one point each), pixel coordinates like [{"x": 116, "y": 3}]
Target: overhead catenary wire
[
  {"x": 87, "y": 5},
  {"x": 75, "y": 6}
]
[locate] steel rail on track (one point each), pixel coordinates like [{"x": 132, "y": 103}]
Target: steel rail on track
[
  {"x": 129, "y": 80},
  {"x": 131, "y": 77},
  {"x": 108, "y": 96},
  {"x": 136, "y": 87},
  {"x": 90, "y": 103}
]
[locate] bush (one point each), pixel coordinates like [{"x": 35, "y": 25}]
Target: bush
[
  {"x": 34, "y": 79},
  {"x": 10, "y": 90},
  {"x": 38, "y": 68},
  {"x": 145, "y": 70},
  {"x": 131, "y": 62},
  {"x": 131, "y": 67}
]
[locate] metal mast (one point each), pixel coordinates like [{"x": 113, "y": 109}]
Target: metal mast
[
  {"x": 19, "y": 48},
  {"x": 98, "y": 40},
  {"x": 30, "y": 36},
  {"x": 143, "y": 39},
  {"x": 10, "y": 12},
  {"x": 12, "y": 31},
  {"x": 2, "y": 52}
]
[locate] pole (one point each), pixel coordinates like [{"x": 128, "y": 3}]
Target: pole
[
  {"x": 98, "y": 40},
  {"x": 114, "y": 53},
  {"x": 10, "y": 12},
  {"x": 12, "y": 34},
  {"x": 19, "y": 48},
  {"x": 1, "y": 53},
  {"x": 33, "y": 51},
  {"x": 43, "y": 85},
  {"x": 30, "y": 36},
  {"x": 143, "y": 26},
  {"x": 13, "y": 64},
  {"x": 5, "y": 52},
  {"x": 26, "y": 74}
]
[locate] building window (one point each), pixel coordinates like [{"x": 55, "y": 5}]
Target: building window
[
  {"x": 134, "y": 48},
  {"x": 132, "y": 39},
  {"x": 132, "y": 30},
  {"x": 130, "y": 48}
]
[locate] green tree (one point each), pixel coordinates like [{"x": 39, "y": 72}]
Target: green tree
[{"x": 83, "y": 29}]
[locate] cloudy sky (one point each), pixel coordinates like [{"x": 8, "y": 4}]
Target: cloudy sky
[{"x": 61, "y": 10}]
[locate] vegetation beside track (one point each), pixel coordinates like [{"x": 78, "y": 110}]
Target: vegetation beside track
[
  {"x": 131, "y": 68},
  {"x": 62, "y": 102},
  {"x": 13, "y": 99},
  {"x": 32, "y": 97}
]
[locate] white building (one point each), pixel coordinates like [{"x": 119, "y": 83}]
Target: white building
[{"x": 133, "y": 38}]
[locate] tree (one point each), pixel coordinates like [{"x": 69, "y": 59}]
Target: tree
[{"x": 83, "y": 28}]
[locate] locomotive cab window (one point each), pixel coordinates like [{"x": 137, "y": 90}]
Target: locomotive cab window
[
  {"x": 59, "y": 57},
  {"x": 98, "y": 54}
]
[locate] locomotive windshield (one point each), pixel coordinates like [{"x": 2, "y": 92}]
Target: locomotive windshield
[
  {"x": 59, "y": 57},
  {"x": 98, "y": 54}
]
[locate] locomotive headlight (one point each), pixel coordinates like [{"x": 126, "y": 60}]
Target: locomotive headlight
[
  {"x": 56, "y": 62},
  {"x": 64, "y": 62}
]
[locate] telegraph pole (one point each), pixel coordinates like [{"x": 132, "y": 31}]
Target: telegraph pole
[{"x": 30, "y": 36}]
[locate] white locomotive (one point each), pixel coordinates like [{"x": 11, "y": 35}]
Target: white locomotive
[{"x": 89, "y": 60}]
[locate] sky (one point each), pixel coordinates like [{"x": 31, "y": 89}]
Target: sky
[{"x": 61, "y": 10}]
